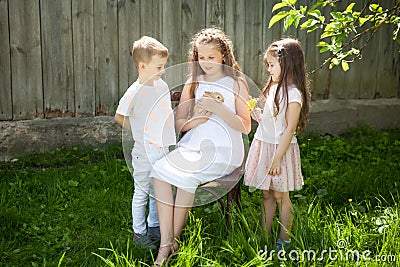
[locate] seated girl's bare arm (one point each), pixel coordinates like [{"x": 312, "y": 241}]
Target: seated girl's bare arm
[
  {"x": 242, "y": 110},
  {"x": 184, "y": 121}
]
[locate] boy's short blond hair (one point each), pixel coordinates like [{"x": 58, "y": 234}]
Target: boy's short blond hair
[{"x": 145, "y": 48}]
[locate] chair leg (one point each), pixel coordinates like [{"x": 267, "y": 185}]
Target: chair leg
[
  {"x": 233, "y": 195},
  {"x": 228, "y": 212},
  {"x": 237, "y": 195},
  {"x": 217, "y": 197}
]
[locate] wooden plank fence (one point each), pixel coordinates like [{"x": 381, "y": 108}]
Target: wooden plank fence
[{"x": 64, "y": 58}]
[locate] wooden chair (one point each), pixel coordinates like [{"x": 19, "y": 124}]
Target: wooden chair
[
  {"x": 229, "y": 183},
  {"x": 226, "y": 189}
]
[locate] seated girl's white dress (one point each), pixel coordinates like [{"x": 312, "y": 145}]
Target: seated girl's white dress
[{"x": 207, "y": 152}]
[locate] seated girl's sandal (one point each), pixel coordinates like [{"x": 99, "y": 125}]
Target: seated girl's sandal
[
  {"x": 166, "y": 256},
  {"x": 174, "y": 247}
]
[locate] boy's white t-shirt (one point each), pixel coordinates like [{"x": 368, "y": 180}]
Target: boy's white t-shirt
[
  {"x": 150, "y": 113},
  {"x": 271, "y": 127}
]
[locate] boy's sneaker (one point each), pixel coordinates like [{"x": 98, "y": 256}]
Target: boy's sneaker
[
  {"x": 283, "y": 245},
  {"x": 143, "y": 241},
  {"x": 154, "y": 233}
]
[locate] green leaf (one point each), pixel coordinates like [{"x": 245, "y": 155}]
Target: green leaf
[
  {"x": 350, "y": 7},
  {"x": 279, "y": 6},
  {"x": 395, "y": 34},
  {"x": 362, "y": 20},
  {"x": 336, "y": 15},
  {"x": 309, "y": 24},
  {"x": 373, "y": 7},
  {"x": 289, "y": 20},
  {"x": 345, "y": 65},
  {"x": 323, "y": 49},
  {"x": 335, "y": 61},
  {"x": 311, "y": 29},
  {"x": 277, "y": 17},
  {"x": 332, "y": 28},
  {"x": 355, "y": 51},
  {"x": 326, "y": 34},
  {"x": 297, "y": 21},
  {"x": 292, "y": 2},
  {"x": 303, "y": 9},
  {"x": 322, "y": 43},
  {"x": 315, "y": 13},
  {"x": 305, "y": 24}
]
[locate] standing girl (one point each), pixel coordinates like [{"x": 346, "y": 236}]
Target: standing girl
[
  {"x": 273, "y": 163},
  {"x": 212, "y": 146}
]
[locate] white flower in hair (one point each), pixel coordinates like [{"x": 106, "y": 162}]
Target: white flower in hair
[{"x": 279, "y": 47}]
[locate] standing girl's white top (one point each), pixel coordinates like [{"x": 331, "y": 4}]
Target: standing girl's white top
[
  {"x": 272, "y": 126},
  {"x": 207, "y": 152}
]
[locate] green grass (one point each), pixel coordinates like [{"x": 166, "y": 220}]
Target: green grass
[{"x": 71, "y": 207}]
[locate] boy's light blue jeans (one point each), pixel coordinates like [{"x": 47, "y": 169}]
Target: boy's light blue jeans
[{"x": 143, "y": 158}]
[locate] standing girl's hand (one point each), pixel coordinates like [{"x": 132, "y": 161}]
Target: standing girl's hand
[
  {"x": 275, "y": 168},
  {"x": 256, "y": 114}
]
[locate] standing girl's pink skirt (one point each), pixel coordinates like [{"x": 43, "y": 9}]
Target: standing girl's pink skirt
[{"x": 259, "y": 161}]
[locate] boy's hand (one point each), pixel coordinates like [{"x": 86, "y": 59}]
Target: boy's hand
[{"x": 122, "y": 120}]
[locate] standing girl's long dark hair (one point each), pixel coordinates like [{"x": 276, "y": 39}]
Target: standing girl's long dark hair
[{"x": 293, "y": 72}]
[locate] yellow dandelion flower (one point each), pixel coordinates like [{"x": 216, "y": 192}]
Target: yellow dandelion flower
[{"x": 251, "y": 104}]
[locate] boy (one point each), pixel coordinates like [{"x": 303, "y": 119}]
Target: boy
[{"x": 147, "y": 106}]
